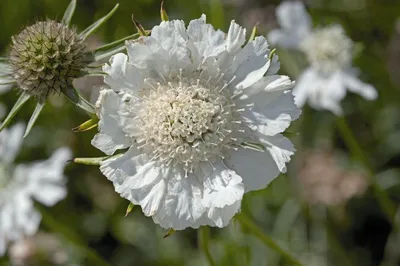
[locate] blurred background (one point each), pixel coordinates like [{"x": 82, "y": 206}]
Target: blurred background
[{"x": 324, "y": 211}]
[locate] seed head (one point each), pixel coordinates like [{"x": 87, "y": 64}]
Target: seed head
[{"x": 46, "y": 57}]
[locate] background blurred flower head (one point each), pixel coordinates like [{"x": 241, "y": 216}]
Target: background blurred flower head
[
  {"x": 324, "y": 181},
  {"x": 324, "y": 83},
  {"x": 20, "y": 184}
]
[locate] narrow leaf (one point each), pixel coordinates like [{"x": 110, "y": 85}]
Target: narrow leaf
[
  {"x": 129, "y": 209},
  {"x": 163, "y": 12},
  {"x": 92, "y": 28},
  {"x": 66, "y": 20},
  {"x": 253, "y": 146},
  {"x": 90, "y": 161},
  {"x": 88, "y": 125},
  {"x": 78, "y": 100},
  {"x": 272, "y": 53},
  {"x": 17, "y": 106},
  {"x": 169, "y": 233},
  {"x": 253, "y": 33},
  {"x": 106, "y": 54},
  {"x": 116, "y": 43},
  {"x": 139, "y": 27},
  {"x": 34, "y": 117}
]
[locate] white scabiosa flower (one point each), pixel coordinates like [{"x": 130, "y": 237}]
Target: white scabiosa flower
[
  {"x": 21, "y": 184},
  {"x": 199, "y": 114},
  {"x": 330, "y": 53}
]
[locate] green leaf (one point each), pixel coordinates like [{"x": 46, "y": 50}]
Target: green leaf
[
  {"x": 163, "y": 12},
  {"x": 106, "y": 54},
  {"x": 169, "y": 233},
  {"x": 17, "y": 106},
  {"x": 90, "y": 161},
  {"x": 34, "y": 117},
  {"x": 92, "y": 28},
  {"x": 253, "y": 146},
  {"x": 88, "y": 125},
  {"x": 116, "y": 43},
  {"x": 129, "y": 209},
  {"x": 253, "y": 33},
  {"x": 78, "y": 100},
  {"x": 271, "y": 54},
  {"x": 139, "y": 27},
  {"x": 66, "y": 20}
]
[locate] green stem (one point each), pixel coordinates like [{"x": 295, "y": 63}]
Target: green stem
[
  {"x": 352, "y": 144},
  {"x": 268, "y": 241},
  {"x": 204, "y": 235},
  {"x": 74, "y": 239}
]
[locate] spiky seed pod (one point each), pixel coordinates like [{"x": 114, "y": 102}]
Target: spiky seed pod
[{"x": 46, "y": 57}]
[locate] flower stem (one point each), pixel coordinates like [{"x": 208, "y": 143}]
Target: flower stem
[
  {"x": 75, "y": 240},
  {"x": 203, "y": 236},
  {"x": 352, "y": 144},
  {"x": 268, "y": 241}
]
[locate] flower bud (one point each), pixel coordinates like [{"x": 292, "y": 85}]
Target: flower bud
[{"x": 46, "y": 57}]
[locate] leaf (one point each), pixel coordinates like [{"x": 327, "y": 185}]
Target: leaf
[
  {"x": 78, "y": 100},
  {"x": 129, "y": 209},
  {"x": 92, "y": 28},
  {"x": 169, "y": 233},
  {"x": 253, "y": 146},
  {"x": 34, "y": 117},
  {"x": 90, "y": 161},
  {"x": 17, "y": 106},
  {"x": 66, "y": 20},
  {"x": 253, "y": 33},
  {"x": 88, "y": 125},
  {"x": 106, "y": 54},
  {"x": 139, "y": 27},
  {"x": 116, "y": 43},
  {"x": 163, "y": 12}
]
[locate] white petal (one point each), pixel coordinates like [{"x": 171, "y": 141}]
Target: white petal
[
  {"x": 10, "y": 142},
  {"x": 122, "y": 76},
  {"x": 222, "y": 186},
  {"x": 357, "y": 86},
  {"x": 182, "y": 206},
  {"x": 272, "y": 113},
  {"x": 223, "y": 193},
  {"x": 257, "y": 168},
  {"x": 251, "y": 63},
  {"x": 295, "y": 22},
  {"x": 45, "y": 179},
  {"x": 236, "y": 37},
  {"x": 208, "y": 41},
  {"x": 110, "y": 137}
]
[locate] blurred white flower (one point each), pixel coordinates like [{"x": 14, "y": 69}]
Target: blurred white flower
[
  {"x": 330, "y": 52},
  {"x": 20, "y": 184},
  {"x": 201, "y": 113}
]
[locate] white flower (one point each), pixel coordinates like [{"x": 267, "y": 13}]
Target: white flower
[
  {"x": 21, "y": 184},
  {"x": 330, "y": 52},
  {"x": 200, "y": 113}
]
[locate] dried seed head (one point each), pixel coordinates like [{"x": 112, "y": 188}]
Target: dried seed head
[{"x": 46, "y": 57}]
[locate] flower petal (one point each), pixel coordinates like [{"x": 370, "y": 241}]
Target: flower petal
[
  {"x": 208, "y": 41},
  {"x": 295, "y": 22},
  {"x": 111, "y": 136},
  {"x": 357, "y": 86},
  {"x": 247, "y": 163},
  {"x": 122, "y": 76},
  {"x": 251, "y": 63},
  {"x": 10, "y": 142},
  {"x": 46, "y": 181}
]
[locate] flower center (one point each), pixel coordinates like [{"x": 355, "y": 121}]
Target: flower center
[
  {"x": 187, "y": 121},
  {"x": 328, "y": 49}
]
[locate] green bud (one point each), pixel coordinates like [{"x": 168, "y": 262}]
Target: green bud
[{"x": 46, "y": 57}]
